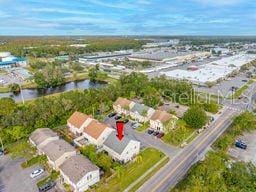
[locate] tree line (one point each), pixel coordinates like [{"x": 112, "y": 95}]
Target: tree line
[{"x": 18, "y": 121}]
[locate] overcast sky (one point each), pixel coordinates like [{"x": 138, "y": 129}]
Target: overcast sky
[{"x": 127, "y": 17}]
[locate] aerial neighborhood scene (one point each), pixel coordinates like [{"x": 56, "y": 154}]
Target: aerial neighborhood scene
[{"x": 128, "y": 96}]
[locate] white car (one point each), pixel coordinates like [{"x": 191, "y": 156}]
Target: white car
[{"x": 36, "y": 173}]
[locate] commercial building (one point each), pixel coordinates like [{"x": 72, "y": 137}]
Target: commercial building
[
  {"x": 7, "y": 60},
  {"x": 168, "y": 56},
  {"x": 213, "y": 71}
]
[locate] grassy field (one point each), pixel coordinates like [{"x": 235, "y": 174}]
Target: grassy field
[
  {"x": 131, "y": 172},
  {"x": 4, "y": 89},
  {"x": 179, "y": 135}
]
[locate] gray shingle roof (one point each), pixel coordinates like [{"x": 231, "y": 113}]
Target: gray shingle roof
[
  {"x": 76, "y": 167},
  {"x": 40, "y": 135},
  {"x": 55, "y": 149},
  {"x": 115, "y": 144},
  {"x": 141, "y": 109}
]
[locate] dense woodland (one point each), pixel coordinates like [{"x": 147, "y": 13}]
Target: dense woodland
[
  {"x": 18, "y": 121},
  {"x": 54, "y": 46}
]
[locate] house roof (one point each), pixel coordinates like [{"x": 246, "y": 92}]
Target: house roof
[
  {"x": 141, "y": 109},
  {"x": 55, "y": 149},
  {"x": 115, "y": 144},
  {"x": 76, "y": 167},
  {"x": 95, "y": 129},
  {"x": 122, "y": 102},
  {"x": 40, "y": 135},
  {"x": 77, "y": 119},
  {"x": 162, "y": 116}
]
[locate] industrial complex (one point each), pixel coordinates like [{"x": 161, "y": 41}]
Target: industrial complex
[{"x": 213, "y": 71}]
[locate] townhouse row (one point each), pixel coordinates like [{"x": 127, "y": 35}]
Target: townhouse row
[
  {"x": 87, "y": 130},
  {"x": 158, "y": 120},
  {"x": 76, "y": 170}
]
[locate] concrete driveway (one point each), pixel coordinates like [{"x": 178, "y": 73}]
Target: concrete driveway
[
  {"x": 145, "y": 139},
  {"x": 15, "y": 179}
]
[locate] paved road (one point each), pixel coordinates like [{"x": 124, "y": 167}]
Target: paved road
[
  {"x": 176, "y": 169},
  {"x": 145, "y": 139}
]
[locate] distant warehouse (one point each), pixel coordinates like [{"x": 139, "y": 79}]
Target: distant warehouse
[
  {"x": 168, "y": 56},
  {"x": 213, "y": 71},
  {"x": 7, "y": 60}
]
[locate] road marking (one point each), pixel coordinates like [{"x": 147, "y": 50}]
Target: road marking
[{"x": 187, "y": 156}]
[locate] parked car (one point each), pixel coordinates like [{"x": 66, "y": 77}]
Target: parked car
[
  {"x": 36, "y": 173},
  {"x": 160, "y": 135},
  {"x": 240, "y": 144},
  {"x": 47, "y": 186},
  {"x": 1, "y": 152},
  {"x": 244, "y": 80},
  {"x": 156, "y": 133},
  {"x": 118, "y": 117},
  {"x": 126, "y": 121},
  {"x": 150, "y": 131},
  {"x": 135, "y": 125},
  {"x": 112, "y": 114}
]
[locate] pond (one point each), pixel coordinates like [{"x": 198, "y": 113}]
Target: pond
[{"x": 29, "y": 94}]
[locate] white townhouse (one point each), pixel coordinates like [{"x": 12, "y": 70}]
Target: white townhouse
[
  {"x": 96, "y": 133},
  {"x": 162, "y": 121},
  {"x": 41, "y": 137},
  {"x": 123, "y": 106},
  {"x": 79, "y": 173},
  {"x": 141, "y": 113},
  {"x": 77, "y": 122},
  {"x": 122, "y": 151},
  {"x": 57, "y": 152}
]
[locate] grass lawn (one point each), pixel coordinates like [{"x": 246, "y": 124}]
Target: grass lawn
[
  {"x": 131, "y": 172},
  {"x": 40, "y": 159},
  {"x": 21, "y": 149},
  {"x": 239, "y": 92},
  {"x": 137, "y": 186},
  {"x": 143, "y": 127},
  {"x": 4, "y": 89},
  {"x": 53, "y": 176},
  {"x": 179, "y": 135}
]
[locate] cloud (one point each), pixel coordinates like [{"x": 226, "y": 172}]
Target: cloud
[
  {"x": 219, "y": 2},
  {"x": 63, "y": 10}
]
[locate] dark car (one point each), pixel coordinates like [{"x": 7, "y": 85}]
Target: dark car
[
  {"x": 47, "y": 186},
  {"x": 244, "y": 80},
  {"x": 150, "y": 131},
  {"x": 126, "y": 120},
  {"x": 160, "y": 135},
  {"x": 112, "y": 114},
  {"x": 240, "y": 144},
  {"x": 118, "y": 117},
  {"x": 156, "y": 133}
]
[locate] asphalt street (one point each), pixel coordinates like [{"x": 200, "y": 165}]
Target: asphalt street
[{"x": 169, "y": 175}]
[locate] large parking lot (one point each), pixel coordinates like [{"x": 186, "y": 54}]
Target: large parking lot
[
  {"x": 17, "y": 75},
  {"x": 224, "y": 87},
  {"x": 247, "y": 155},
  {"x": 145, "y": 139},
  {"x": 15, "y": 179}
]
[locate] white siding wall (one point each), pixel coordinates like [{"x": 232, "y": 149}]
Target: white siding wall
[
  {"x": 129, "y": 152},
  {"x": 85, "y": 182}
]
